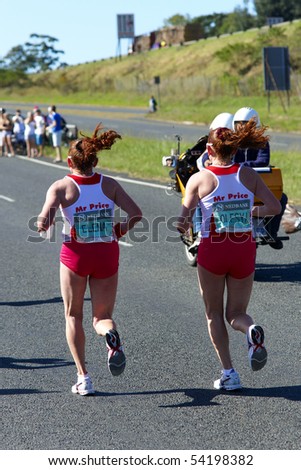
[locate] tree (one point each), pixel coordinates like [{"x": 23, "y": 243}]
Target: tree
[
  {"x": 18, "y": 59},
  {"x": 177, "y": 20},
  {"x": 211, "y": 24},
  {"x": 36, "y": 56},
  {"x": 239, "y": 20},
  {"x": 286, "y": 9}
]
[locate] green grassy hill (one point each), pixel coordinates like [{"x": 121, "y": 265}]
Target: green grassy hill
[{"x": 197, "y": 80}]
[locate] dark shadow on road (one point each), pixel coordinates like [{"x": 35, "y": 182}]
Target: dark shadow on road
[
  {"x": 26, "y": 303},
  {"x": 23, "y": 391},
  {"x": 278, "y": 272},
  {"x": 205, "y": 397},
  {"x": 32, "y": 363}
]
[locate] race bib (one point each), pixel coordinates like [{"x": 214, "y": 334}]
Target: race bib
[
  {"x": 93, "y": 226},
  {"x": 234, "y": 216}
]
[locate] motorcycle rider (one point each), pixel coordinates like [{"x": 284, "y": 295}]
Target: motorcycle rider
[
  {"x": 258, "y": 158},
  {"x": 221, "y": 120}
]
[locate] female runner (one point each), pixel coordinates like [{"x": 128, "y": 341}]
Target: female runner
[
  {"x": 226, "y": 255},
  {"x": 90, "y": 251}
]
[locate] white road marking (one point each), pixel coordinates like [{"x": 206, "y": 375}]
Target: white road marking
[
  {"x": 118, "y": 178},
  {"x": 126, "y": 180},
  {"x": 8, "y": 199}
]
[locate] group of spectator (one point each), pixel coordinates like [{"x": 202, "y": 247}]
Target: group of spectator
[{"x": 30, "y": 134}]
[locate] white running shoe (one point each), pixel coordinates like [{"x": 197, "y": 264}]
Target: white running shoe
[
  {"x": 83, "y": 386},
  {"x": 228, "y": 382},
  {"x": 116, "y": 356},
  {"x": 257, "y": 353}
]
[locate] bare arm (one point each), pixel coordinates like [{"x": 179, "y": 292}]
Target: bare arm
[
  {"x": 53, "y": 200},
  {"x": 128, "y": 205},
  {"x": 271, "y": 205},
  {"x": 189, "y": 204}
]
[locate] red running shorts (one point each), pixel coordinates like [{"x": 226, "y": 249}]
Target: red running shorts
[
  {"x": 228, "y": 253},
  {"x": 98, "y": 260}
]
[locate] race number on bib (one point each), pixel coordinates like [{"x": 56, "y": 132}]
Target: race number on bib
[
  {"x": 94, "y": 226},
  {"x": 234, "y": 216}
]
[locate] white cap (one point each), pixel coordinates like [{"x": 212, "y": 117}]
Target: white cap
[
  {"x": 222, "y": 120},
  {"x": 245, "y": 114}
]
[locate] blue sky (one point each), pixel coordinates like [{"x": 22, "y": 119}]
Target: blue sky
[{"x": 87, "y": 30}]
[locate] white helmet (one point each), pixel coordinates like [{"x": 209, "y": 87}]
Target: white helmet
[
  {"x": 245, "y": 114},
  {"x": 222, "y": 120}
]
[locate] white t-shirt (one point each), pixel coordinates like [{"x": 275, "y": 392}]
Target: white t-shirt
[{"x": 40, "y": 125}]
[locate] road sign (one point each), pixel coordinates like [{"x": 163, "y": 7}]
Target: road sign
[{"x": 125, "y": 25}]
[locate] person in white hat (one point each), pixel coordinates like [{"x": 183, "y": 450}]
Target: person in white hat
[{"x": 258, "y": 158}]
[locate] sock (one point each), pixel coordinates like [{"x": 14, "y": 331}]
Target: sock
[
  {"x": 228, "y": 371},
  {"x": 83, "y": 376}
]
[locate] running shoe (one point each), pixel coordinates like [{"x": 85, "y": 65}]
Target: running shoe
[
  {"x": 228, "y": 382},
  {"x": 116, "y": 356},
  {"x": 83, "y": 386},
  {"x": 257, "y": 353}
]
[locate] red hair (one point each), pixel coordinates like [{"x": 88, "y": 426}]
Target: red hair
[
  {"x": 226, "y": 142},
  {"x": 83, "y": 152}
]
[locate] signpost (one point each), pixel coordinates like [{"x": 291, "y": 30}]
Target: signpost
[
  {"x": 125, "y": 27},
  {"x": 276, "y": 71}
]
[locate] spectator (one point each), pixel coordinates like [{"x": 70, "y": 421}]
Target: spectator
[
  {"x": 56, "y": 128},
  {"x": 19, "y": 127},
  {"x": 39, "y": 131},
  {"x": 6, "y": 129},
  {"x": 30, "y": 137},
  {"x": 152, "y": 105},
  {"x": 49, "y": 121}
]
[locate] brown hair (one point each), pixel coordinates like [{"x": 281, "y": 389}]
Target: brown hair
[
  {"x": 83, "y": 152},
  {"x": 227, "y": 142}
]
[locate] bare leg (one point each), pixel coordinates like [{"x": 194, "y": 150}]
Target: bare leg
[
  {"x": 10, "y": 146},
  {"x": 239, "y": 293},
  {"x": 103, "y": 296},
  {"x": 73, "y": 289},
  {"x": 28, "y": 148},
  {"x": 212, "y": 288},
  {"x": 58, "y": 151}
]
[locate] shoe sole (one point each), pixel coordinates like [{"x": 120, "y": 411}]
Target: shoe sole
[
  {"x": 83, "y": 394},
  {"x": 258, "y": 359},
  {"x": 228, "y": 387},
  {"x": 116, "y": 363}
]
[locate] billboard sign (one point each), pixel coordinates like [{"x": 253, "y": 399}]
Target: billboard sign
[
  {"x": 125, "y": 25},
  {"x": 276, "y": 68}
]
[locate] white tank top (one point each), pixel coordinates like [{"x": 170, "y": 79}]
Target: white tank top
[
  {"x": 90, "y": 218},
  {"x": 228, "y": 207}
]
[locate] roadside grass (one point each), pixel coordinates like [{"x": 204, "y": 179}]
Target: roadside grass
[
  {"x": 290, "y": 164},
  {"x": 195, "y": 86},
  {"x": 142, "y": 158}
]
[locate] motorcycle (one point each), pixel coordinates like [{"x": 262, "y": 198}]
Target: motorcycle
[{"x": 184, "y": 165}]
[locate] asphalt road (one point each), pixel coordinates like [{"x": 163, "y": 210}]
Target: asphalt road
[
  {"x": 136, "y": 122},
  {"x": 165, "y": 399}
]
